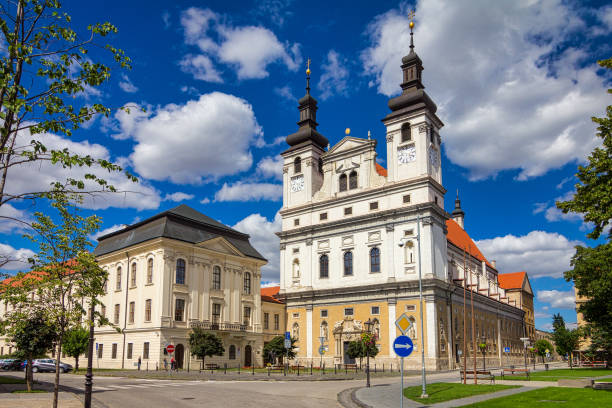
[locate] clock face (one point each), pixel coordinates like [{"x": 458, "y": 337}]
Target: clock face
[
  {"x": 433, "y": 157},
  {"x": 406, "y": 154},
  {"x": 297, "y": 183}
]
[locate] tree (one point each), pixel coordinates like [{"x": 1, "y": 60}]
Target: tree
[
  {"x": 363, "y": 347},
  {"x": 541, "y": 346},
  {"x": 565, "y": 339},
  {"x": 205, "y": 344},
  {"x": 46, "y": 68},
  {"x": 77, "y": 340},
  {"x": 275, "y": 348},
  {"x": 31, "y": 334}
]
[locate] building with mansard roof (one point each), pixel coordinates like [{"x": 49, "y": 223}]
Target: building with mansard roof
[{"x": 349, "y": 248}]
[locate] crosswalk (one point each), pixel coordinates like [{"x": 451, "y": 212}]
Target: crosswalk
[{"x": 148, "y": 384}]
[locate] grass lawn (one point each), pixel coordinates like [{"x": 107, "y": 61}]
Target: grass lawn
[
  {"x": 11, "y": 380},
  {"x": 604, "y": 380},
  {"x": 551, "y": 397},
  {"x": 554, "y": 375},
  {"x": 439, "y": 392}
]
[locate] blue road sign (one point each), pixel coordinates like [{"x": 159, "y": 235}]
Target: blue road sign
[
  {"x": 403, "y": 346},
  {"x": 506, "y": 349},
  {"x": 287, "y": 336}
]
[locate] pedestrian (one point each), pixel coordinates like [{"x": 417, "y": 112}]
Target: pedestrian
[
  {"x": 172, "y": 364},
  {"x": 166, "y": 364},
  {"x": 139, "y": 363}
]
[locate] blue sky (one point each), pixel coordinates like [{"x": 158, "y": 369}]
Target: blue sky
[{"x": 515, "y": 83}]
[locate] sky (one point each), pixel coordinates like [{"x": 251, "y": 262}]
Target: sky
[{"x": 516, "y": 84}]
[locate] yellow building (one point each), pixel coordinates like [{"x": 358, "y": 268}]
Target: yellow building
[
  {"x": 519, "y": 293},
  {"x": 273, "y": 314}
]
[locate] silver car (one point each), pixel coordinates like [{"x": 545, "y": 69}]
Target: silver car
[{"x": 48, "y": 365}]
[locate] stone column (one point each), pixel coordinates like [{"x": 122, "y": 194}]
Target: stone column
[
  {"x": 392, "y": 303},
  {"x": 391, "y": 264},
  {"x": 309, "y": 331}
]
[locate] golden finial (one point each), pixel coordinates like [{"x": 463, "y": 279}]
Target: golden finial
[
  {"x": 308, "y": 67},
  {"x": 347, "y": 131},
  {"x": 411, "y": 17}
]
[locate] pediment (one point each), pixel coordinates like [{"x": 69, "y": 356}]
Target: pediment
[
  {"x": 220, "y": 244},
  {"x": 527, "y": 285},
  {"x": 348, "y": 143}
]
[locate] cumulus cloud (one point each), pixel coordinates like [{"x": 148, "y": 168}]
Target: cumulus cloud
[
  {"x": 101, "y": 233},
  {"x": 248, "y": 50},
  {"x": 264, "y": 239},
  {"x": 271, "y": 167},
  {"x": 557, "y": 299},
  {"x": 499, "y": 79},
  {"x": 541, "y": 253},
  {"x": 178, "y": 197},
  {"x": 241, "y": 191},
  {"x": 13, "y": 219},
  {"x": 126, "y": 85},
  {"x": 285, "y": 93},
  {"x": 14, "y": 259},
  {"x": 276, "y": 10},
  {"x": 199, "y": 141},
  {"x": 334, "y": 76},
  {"x": 126, "y": 121},
  {"x": 205, "y": 200}
]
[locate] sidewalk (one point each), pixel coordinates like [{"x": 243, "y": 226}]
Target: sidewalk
[{"x": 39, "y": 400}]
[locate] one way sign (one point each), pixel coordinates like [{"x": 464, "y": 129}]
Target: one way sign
[{"x": 403, "y": 346}]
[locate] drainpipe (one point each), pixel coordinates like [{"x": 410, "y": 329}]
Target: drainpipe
[{"x": 127, "y": 289}]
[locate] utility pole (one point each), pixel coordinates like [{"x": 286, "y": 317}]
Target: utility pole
[
  {"x": 473, "y": 334},
  {"x": 424, "y": 381},
  {"x": 90, "y": 350}
]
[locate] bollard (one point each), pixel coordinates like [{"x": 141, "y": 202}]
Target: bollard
[
  {"x": 224, "y": 368},
  {"x": 345, "y": 369},
  {"x": 311, "y": 368},
  {"x": 188, "y": 364},
  {"x": 253, "y": 368},
  {"x": 334, "y": 368},
  {"x": 238, "y": 369},
  {"x": 355, "y": 369},
  {"x": 323, "y": 370},
  {"x": 374, "y": 368},
  {"x": 268, "y": 371},
  {"x": 298, "y": 369},
  {"x": 383, "y": 367},
  {"x": 147, "y": 366}
]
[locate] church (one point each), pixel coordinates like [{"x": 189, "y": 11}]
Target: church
[{"x": 355, "y": 235}]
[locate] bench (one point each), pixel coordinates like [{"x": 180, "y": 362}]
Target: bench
[
  {"x": 297, "y": 367},
  {"x": 519, "y": 372},
  {"x": 594, "y": 364},
  {"x": 478, "y": 374},
  {"x": 276, "y": 369},
  {"x": 211, "y": 366}
]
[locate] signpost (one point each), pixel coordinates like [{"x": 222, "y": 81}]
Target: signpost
[
  {"x": 287, "y": 347},
  {"x": 170, "y": 348},
  {"x": 403, "y": 347}
]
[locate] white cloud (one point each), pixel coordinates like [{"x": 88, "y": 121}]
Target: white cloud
[
  {"x": 178, "y": 197},
  {"x": 264, "y": 239},
  {"x": 563, "y": 182},
  {"x": 126, "y": 85},
  {"x": 205, "y": 200},
  {"x": 541, "y": 315},
  {"x": 605, "y": 15},
  {"x": 13, "y": 219},
  {"x": 540, "y": 253},
  {"x": 275, "y": 10},
  {"x": 126, "y": 122},
  {"x": 191, "y": 90},
  {"x": 101, "y": 233},
  {"x": 241, "y": 191},
  {"x": 271, "y": 166},
  {"x": 285, "y": 93},
  {"x": 539, "y": 207},
  {"x": 246, "y": 49},
  {"x": 499, "y": 80},
  {"x": 557, "y": 299},
  {"x": 334, "y": 76},
  {"x": 198, "y": 141},
  {"x": 14, "y": 259},
  {"x": 166, "y": 19}
]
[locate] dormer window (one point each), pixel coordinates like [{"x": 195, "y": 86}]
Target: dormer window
[
  {"x": 297, "y": 165},
  {"x": 406, "y": 135},
  {"x": 353, "y": 180},
  {"x": 342, "y": 182}
]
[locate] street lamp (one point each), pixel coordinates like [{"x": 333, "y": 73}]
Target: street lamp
[
  {"x": 483, "y": 350},
  {"x": 525, "y": 341},
  {"x": 401, "y": 244},
  {"x": 368, "y": 325}
]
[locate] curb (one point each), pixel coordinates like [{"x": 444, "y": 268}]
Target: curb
[{"x": 348, "y": 399}]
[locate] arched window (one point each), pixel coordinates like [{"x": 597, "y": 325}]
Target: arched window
[
  {"x": 374, "y": 260},
  {"x": 216, "y": 283},
  {"x": 409, "y": 252},
  {"x": 323, "y": 267},
  {"x": 180, "y": 271},
  {"x": 320, "y": 165},
  {"x": 297, "y": 165},
  {"x": 406, "y": 136},
  {"x": 353, "y": 180},
  {"x": 342, "y": 183},
  {"x": 348, "y": 263},
  {"x": 247, "y": 283},
  {"x": 118, "y": 283},
  {"x": 232, "y": 352},
  {"x": 296, "y": 268},
  {"x": 150, "y": 270},
  {"x": 295, "y": 332},
  {"x": 324, "y": 330},
  {"x": 133, "y": 277}
]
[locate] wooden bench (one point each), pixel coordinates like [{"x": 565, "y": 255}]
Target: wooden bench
[
  {"x": 276, "y": 369},
  {"x": 519, "y": 371},
  {"x": 297, "y": 367},
  {"x": 594, "y": 364},
  {"x": 478, "y": 374},
  {"x": 211, "y": 366}
]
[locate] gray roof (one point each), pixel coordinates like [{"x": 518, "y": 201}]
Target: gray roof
[{"x": 182, "y": 223}]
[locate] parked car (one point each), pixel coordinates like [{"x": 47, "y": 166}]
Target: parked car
[
  {"x": 11, "y": 364},
  {"x": 47, "y": 365}
]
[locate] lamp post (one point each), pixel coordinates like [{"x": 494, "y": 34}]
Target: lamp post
[
  {"x": 368, "y": 324},
  {"x": 483, "y": 350},
  {"x": 90, "y": 350},
  {"x": 525, "y": 341}
]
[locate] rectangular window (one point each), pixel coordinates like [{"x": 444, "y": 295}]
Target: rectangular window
[
  {"x": 130, "y": 350},
  {"x": 348, "y": 311},
  {"x": 148, "y": 310},
  {"x": 296, "y": 315},
  {"x": 348, "y": 211},
  {"x": 179, "y": 309},
  {"x": 131, "y": 312},
  {"x": 410, "y": 308},
  {"x": 266, "y": 321},
  {"x": 276, "y": 321},
  {"x": 374, "y": 205},
  {"x": 375, "y": 310},
  {"x": 247, "y": 316},
  {"x": 216, "y": 313},
  {"x": 324, "y": 313},
  {"x": 116, "y": 316},
  {"x": 408, "y": 233},
  {"x": 100, "y": 350},
  {"x": 145, "y": 351},
  {"x": 114, "y": 351},
  {"x": 118, "y": 283},
  {"x": 150, "y": 271},
  {"x": 323, "y": 216},
  {"x": 406, "y": 199},
  {"x": 133, "y": 276},
  {"x": 103, "y": 310},
  {"x": 296, "y": 222}
]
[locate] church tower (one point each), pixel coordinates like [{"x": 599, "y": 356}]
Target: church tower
[
  {"x": 413, "y": 139},
  {"x": 303, "y": 166}
]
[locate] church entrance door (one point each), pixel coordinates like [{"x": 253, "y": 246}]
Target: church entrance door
[
  {"x": 179, "y": 355},
  {"x": 347, "y": 359}
]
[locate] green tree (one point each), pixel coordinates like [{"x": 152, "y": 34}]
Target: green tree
[
  {"x": 76, "y": 342},
  {"x": 275, "y": 348},
  {"x": 31, "y": 334},
  {"x": 565, "y": 339},
  {"x": 541, "y": 346},
  {"x": 362, "y": 347},
  {"x": 205, "y": 344}
]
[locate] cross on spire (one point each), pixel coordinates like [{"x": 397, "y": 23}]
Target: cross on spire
[
  {"x": 411, "y": 15},
  {"x": 308, "y": 76}
]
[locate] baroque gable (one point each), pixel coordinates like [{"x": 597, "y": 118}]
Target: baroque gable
[{"x": 220, "y": 244}]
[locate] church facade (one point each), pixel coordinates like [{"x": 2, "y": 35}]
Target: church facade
[{"x": 349, "y": 247}]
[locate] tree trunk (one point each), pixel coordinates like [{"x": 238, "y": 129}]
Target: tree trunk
[
  {"x": 57, "y": 370},
  {"x": 76, "y": 364},
  {"x": 28, "y": 374}
]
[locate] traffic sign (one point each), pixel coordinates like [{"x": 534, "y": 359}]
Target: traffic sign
[
  {"x": 321, "y": 350},
  {"x": 287, "y": 343},
  {"x": 506, "y": 349},
  {"x": 287, "y": 336},
  {"x": 403, "y": 323},
  {"x": 403, "y": 346},
  {"x": 170, "y": 348}
]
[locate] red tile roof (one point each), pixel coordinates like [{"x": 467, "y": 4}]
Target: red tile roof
[
  {"x": 381, "y": 170},
  {"x": 270, "y": 294},
  {"x": 512, "y": 280},
  {"x": 458, "y": 237}
]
